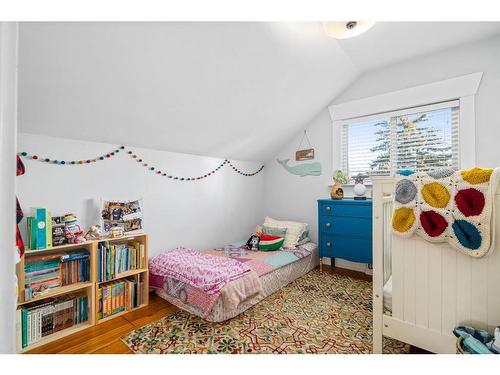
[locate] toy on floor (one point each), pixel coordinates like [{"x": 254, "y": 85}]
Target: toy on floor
[
  {"x": 478, "y": 341},
  {"x": 72, "y": 230}
]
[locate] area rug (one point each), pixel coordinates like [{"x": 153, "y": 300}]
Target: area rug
[{"x": 318, "y": 313}]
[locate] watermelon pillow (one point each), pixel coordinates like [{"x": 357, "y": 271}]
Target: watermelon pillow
[{"x": 270, "y": 243}]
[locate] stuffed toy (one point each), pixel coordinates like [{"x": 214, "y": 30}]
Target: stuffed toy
[
  {"x": 72, "y": 230},
  {"x": 94, "y": 233},
  {"x": 253, "y": 242}
]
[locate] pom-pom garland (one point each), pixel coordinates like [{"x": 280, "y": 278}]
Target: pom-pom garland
[{"x": 138, "y": 159}]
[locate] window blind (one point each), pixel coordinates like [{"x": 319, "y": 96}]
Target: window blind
[{"x": 420, "y": 138}]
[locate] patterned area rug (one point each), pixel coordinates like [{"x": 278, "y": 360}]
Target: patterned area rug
[{"x": 318, "y": 313}]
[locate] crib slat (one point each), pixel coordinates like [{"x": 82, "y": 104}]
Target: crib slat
[
  {"x": 479, "y": 292},
  {"x": 449, "y": 280},
  {"x": 493, "y": 318},
  {"x": 422, "y": 285},
  {"x": 434, "y": 286},
  {"x": 494, "y": 284},
  {"x": 464, "y": 287},
  {"x": 409, "y": 281},
  {"x": 398, "y": 248}
]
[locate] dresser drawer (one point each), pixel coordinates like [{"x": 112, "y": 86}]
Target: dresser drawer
[
  {"x": 331, "y": 208},
  {"x": 346, "y": 226},
  {"x": 353, "y": 249}
]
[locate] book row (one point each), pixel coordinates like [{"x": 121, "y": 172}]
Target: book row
[
  {"x": 115, "y": 259},
  {"x": 45, "y": 272},
  {"x": 55, "y": 315},
  {"x": 118, "y": 296},
  {"x": 45, "y": 231}
]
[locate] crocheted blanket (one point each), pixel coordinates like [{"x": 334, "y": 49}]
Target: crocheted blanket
[{"x": 448, "y": 206}]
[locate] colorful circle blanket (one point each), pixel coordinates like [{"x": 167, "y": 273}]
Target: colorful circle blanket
[{"x": 448, "y": 206}]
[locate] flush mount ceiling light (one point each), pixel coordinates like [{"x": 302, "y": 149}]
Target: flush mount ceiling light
[{"x": 346, "y": 29}]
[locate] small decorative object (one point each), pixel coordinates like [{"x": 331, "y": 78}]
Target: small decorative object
[
  {"x": 124, "y": 214},
  {"x": 94, "y": 233},
  {"x": 72, "y": 230},
  {"x": 253, "y": 242},
  {"x": 116, "y": 232},
  {"x": 304, "y": 154},
  {"x": 340, "y": 178},
  {"x": 359, "y": 187},
  {"x": 309, "y": 169}
]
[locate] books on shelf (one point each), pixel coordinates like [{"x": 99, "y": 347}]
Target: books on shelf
[
  {"x": 44, "y": 231},
  {"x": 115, "y": 259},
  {"x": 44, "y": 319},
  {"x": 45, "y": 272},
  {"x": 118, "y": 296},
  {"x": 75, "y": 267}
]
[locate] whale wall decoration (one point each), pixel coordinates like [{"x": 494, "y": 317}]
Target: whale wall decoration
[{"x": 305, "y": 169}]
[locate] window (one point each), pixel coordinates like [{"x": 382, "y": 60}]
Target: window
[{"x": 419, "y": 138}]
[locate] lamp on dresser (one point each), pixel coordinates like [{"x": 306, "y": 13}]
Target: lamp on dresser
[{"x": 345, "y": 230}]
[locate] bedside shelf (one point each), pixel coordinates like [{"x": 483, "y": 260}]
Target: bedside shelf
[
  {"x": 99, "y": 321},
  {"x": 59, "y": 291},
  {"x": 56, "y": 336},
  {"x": 124, "y": 274},
  {"x": 88, "y": 288}
]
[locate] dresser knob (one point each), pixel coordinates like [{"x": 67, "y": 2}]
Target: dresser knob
[
  {"x": 328, "y": 208},
  {"x": 328, "y": 244},
  {"x": 328, "y": 225}
]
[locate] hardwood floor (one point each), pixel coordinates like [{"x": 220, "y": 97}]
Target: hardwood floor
[{"x": 105, "y": 338}]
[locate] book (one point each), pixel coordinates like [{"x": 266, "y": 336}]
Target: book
[
  {"x": 41, "y": 230},
  {"x": 48, "y": 228},
  {"x": 57, "y": 226}
]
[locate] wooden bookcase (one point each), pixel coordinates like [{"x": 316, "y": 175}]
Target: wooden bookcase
[{"x": 89, "y": 288}]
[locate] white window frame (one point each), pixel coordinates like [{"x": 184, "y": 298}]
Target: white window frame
[{"x": 463, "y": 89}]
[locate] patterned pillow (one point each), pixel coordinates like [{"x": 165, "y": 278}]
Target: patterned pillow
[
  {"x": 270, "y": 243},
  {"x": 273, "y": 231},
  {"x": 293, "y": 230},
  {"x": 304, "y": 235}
]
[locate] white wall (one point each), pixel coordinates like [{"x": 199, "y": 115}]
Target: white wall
[
  {"x": 222, "y": 208},
  {"x": 294, "y": 197}
]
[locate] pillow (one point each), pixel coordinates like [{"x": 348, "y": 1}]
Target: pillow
[
  {"x": 304, "y": 235},
  {"x": 293, "y": 230},
  {"x": 273, "y": 231},
  {"x": 270, "y": 243},
  {"x": 304, "y": 241}
]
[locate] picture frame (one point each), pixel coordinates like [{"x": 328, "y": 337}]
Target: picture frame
[{"x": 306, "y": 154}]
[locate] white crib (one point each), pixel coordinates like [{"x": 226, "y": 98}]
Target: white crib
[{"x": 434, "y": 287}]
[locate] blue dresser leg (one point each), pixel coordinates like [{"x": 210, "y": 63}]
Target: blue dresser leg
[{"x": 332, "y": 262}]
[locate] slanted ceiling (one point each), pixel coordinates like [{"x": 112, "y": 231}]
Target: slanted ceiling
[{"x": 235, "y": 90}]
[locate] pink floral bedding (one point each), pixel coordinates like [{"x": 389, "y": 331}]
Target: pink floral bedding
[
  {"x": 202, "y": 271},
  {"x": 199, "y": 291}
]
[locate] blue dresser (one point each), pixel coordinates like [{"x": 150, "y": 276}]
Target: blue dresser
[{"x": 345, "y": 230}]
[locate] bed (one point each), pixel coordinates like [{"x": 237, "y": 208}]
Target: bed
[{"x": 268, "y": 272}]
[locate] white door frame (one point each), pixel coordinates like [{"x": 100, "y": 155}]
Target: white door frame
[{"x": 8, "y": 147}]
